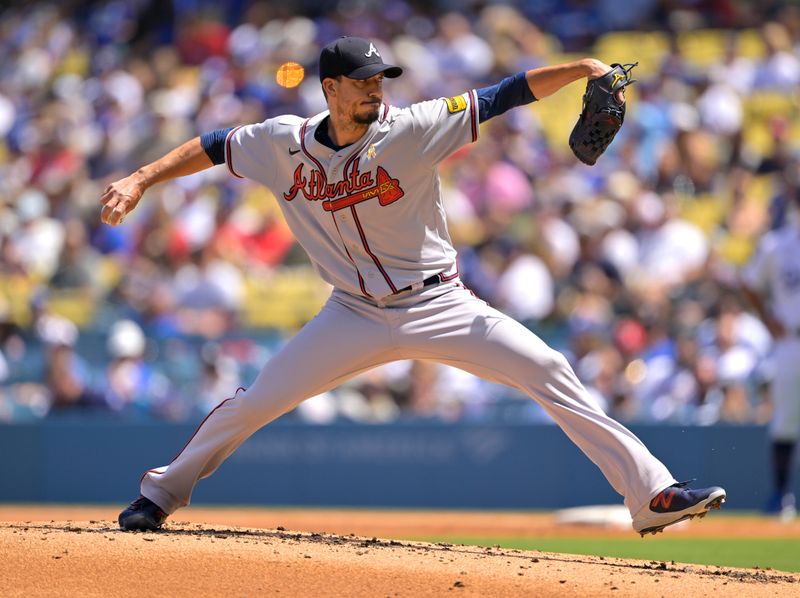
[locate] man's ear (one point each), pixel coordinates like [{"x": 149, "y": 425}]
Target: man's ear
[{"x": 329, "y": 86}]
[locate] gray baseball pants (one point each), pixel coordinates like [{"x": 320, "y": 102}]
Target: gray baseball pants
[{"x": 444, "y": 323}]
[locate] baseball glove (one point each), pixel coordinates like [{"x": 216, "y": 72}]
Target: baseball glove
[{"x": 602, "y": 114}]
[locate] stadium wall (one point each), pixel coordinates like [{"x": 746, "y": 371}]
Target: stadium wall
[{"x": 398, "y": 465}]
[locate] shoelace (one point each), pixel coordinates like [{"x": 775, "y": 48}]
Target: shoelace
[{"x": 682, "y": 484}]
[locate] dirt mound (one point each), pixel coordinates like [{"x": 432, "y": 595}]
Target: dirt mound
[{"x": 94, "y": 558}]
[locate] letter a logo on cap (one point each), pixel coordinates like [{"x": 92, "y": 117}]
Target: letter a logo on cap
[{"x": 372, "y": 50}]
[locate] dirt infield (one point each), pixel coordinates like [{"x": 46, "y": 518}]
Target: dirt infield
[{"x": 66, "y": 551}]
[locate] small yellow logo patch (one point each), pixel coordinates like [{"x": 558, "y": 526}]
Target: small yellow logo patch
[
  {"x": 456, "y": 104},
  {"x": 371, "y": 153},
  {"x": 617, "y": 77}
]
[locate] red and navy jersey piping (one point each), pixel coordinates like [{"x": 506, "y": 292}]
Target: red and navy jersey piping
[
  {"x": 444, "y": 278},
  {"x": 351, "y": 163},
  {"x": 361, "y": 284},
  {"x": 374, "y": 257},
  {"x": 228, "y": 159},
  {"x": 205, "y": 419},
  {"x": 473, "y": 113}
]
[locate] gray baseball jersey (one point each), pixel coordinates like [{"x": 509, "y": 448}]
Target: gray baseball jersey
[{"x": 370, "y": 216}]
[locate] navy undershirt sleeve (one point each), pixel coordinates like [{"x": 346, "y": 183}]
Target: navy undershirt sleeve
[
  {"x": 510, "y": 92},
  {"x": 214, "y": 144}
]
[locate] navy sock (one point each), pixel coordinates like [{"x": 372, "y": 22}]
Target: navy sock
[{"x": 782, "y": 452}]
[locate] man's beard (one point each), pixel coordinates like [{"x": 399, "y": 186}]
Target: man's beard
[{"x": 366, "y": 119}]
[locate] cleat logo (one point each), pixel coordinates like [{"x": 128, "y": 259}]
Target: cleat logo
[{"x": 664, "y": 500}]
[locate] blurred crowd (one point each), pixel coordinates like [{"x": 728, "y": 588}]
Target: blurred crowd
[{"x": 629, "y": 267}]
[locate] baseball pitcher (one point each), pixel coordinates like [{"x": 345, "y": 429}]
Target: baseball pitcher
[{"x": 358, "y": 186}]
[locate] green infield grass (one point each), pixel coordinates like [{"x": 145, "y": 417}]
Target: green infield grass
[{"x": 775, "y": 553}]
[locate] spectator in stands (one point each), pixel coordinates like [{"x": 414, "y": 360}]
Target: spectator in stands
[
  {"x": 68, "y": 381},
  {"x": 737, "y": 70},
  {"x": 524, "y": 288},
  {"x": 219, "y": 373},
  {"x": 780, "y": 68},
  {"x": 67, "y": 377},
  {"x": 782, "y": 163},
  {"x": 132, "y": 385},
  {"x": 672, "y": 250},
  {"x": 5, "y": 332},
  {"x": 209, "y": 293},
  {"x": 78, "y": 265},
  {"x": 459, "y": 52},
  {"x": 40, "y": 238}
]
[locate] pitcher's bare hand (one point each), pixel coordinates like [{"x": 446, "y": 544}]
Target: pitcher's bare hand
[{"x": 120, "y": 198}]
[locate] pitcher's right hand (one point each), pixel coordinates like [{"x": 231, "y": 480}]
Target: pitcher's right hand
[{"x": 120, "y": 198}]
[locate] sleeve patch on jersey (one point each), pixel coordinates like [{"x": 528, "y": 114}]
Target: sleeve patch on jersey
[{"x": 456, "y": 104}]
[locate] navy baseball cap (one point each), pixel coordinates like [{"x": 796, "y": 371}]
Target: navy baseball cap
[{"x": 354, "y": 57}]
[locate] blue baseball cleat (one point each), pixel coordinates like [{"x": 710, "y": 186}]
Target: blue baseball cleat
[
  {"x": 142, "y": 515},
  {"x": 676, "y": 503}
]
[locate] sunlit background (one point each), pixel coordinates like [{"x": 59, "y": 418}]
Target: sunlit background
[{"x": 630, "y": 267}]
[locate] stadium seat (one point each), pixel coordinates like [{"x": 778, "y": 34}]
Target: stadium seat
[
  {"x": 74, "y": 305},
  {"x": 703, "y": 47},
  {"x": 628, "y": 46},
  {"x": 764, "y": 105},
  {"x": 288, "y": 300},
  {"x": 704, "y": 211},
  {"x": 750, "y": 44},
  {"x": 17, "y": 292}
]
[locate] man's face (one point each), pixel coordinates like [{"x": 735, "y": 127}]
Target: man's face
[{"x": 356, "y": 100}]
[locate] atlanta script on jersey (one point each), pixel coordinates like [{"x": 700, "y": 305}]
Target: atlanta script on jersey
[{"x": 370, "y": 216}]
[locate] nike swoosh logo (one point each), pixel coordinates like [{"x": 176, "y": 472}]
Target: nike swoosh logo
[{"x": 292, "y": 153}]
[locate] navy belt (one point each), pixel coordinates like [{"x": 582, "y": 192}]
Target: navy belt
[{"x": 431, "y": 280}]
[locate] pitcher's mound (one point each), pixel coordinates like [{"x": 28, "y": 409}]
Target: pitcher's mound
[{"x": 187, "y": 559}]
